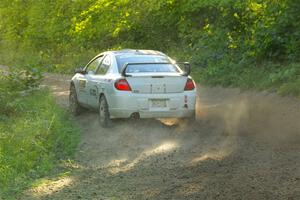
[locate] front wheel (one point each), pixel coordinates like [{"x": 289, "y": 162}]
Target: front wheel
[
  {"x": 74, "y": 106},
  {"x": 104, "y": 118}
]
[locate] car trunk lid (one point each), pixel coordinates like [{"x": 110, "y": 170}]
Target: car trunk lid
[{"x": 156, "y": 83}]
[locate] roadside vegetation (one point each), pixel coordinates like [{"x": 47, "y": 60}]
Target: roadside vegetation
[
  {"x": 244, "y": 43},
  {"x": 35, "y": 134},
  {"x": 251, "y": 44}
]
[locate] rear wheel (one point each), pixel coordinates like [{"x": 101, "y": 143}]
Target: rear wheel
[
  {"x": 193, "y": 116},
  {"x": 74, "y": 106},
  {"x": 104, "y": 118},
  {"x": 190, "y": 120}
]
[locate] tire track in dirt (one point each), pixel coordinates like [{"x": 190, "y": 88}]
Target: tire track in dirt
[{"x": 244, "y": 145}]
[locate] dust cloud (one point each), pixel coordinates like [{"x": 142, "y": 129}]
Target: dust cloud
[{"x": 243, "y": 145}]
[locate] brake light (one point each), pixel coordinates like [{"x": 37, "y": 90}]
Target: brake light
[
  {"x": 189, "y": 84},
  {"x": 122, "y": 84}
]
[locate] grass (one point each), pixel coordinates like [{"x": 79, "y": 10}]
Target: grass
[
  {"x": 283, "y": 79},
  {"x": 33, "y": 140}
]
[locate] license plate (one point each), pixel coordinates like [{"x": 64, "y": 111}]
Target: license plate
[{"x": 158, "y": 103}]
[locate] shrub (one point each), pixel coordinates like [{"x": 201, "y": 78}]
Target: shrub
[{"x": 34, "y": 132}]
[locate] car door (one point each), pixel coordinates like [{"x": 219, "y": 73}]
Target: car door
[
  {"x": 96, "y": 82},
  {"x": 84, "y": 90}
]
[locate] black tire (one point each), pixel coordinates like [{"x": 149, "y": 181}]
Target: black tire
[
  {"x": 193, "y": 116},
  {"x": 103, "y": 110},
  {"x": 191, "y": 119},
  {"x": 74, "y": 106}
]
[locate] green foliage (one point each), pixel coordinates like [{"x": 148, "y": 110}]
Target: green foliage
[
  {"x": 224, "y": 36},
  {"x": 32, "y": 142},
  {"x": 34, "y": 132},
  {"x": 284, "y": 79},
  {"x": 15, "y": 83}
]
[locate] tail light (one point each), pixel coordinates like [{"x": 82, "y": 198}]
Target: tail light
[
  {"x": 122, "y": 84},
  {"x": 189, "y": 84}
]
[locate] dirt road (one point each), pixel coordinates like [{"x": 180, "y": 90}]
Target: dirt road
[{"x": 244, "y": 145}]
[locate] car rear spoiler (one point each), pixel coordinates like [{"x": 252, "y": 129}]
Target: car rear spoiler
[{"x": 187, "y": 67}]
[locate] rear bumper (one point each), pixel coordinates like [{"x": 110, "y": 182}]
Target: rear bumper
[
  {"x": 153, "y": 114},
  {"x": 178, "y": 105}
]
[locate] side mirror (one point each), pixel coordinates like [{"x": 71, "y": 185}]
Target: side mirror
[
  {"x": 187, "y": 68},
  {"x": 80, "y": 71}
]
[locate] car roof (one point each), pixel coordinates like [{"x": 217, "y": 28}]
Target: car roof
[{"x": 135, "y": 52}]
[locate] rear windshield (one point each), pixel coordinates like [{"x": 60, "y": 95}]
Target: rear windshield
[
  {"x": 146, "y": 68},
  {"x": 140, "y": 68}
]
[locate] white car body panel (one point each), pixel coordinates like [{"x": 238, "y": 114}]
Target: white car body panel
[
  {"x": 152, "y": 95},
  {"x": 122, "y": 105}
]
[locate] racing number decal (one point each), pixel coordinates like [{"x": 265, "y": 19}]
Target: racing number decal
[{"x": 94, "y": 91}]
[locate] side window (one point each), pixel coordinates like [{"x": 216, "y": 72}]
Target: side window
[
  {"x": 104, "y": 65},
  {"x": 94, "y": 65}
]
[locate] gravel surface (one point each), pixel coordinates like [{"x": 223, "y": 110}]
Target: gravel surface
[{"x": 244, "y": 145}]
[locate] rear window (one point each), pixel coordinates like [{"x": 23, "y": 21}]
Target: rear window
[
  {"x": 146, "y": 68},
  {"x": 140, "y": 68}
]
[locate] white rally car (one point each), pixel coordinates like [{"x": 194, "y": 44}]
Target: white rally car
[{"x": 133, "y": 83}]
